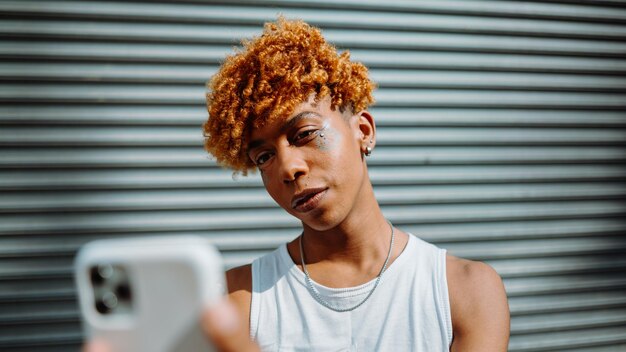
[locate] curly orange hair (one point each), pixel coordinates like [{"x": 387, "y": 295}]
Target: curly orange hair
[{"x": 271, "y": 76}]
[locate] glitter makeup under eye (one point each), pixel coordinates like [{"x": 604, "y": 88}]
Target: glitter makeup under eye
[{"x": 325, "y": 139}]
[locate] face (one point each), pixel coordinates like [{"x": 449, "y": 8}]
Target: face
[{"x": 311, "y": 162}]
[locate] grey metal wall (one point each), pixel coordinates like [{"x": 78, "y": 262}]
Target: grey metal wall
[{"x": 502, "y": 138}]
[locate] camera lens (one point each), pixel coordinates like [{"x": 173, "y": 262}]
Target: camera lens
[
  {"x": 101, "y": 273},
  {"x": 102, "y": 308},
  {"x": 95, "y": 276},
  {"x": 123, "y": 292},
  {"x": 105, "y": 270},
  {"x": 110, "y": 300}
]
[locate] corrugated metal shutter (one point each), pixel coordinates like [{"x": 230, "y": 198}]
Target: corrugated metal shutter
[{"x": 502, "y": 138}]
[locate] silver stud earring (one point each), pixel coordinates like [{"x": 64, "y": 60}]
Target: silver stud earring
[{"x": 368, "y": 151}]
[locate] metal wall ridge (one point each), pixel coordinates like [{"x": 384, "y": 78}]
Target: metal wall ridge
[{"x": 506, "y": 9}]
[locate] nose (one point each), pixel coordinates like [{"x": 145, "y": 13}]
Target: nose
[{"x": 292, "y": 164}]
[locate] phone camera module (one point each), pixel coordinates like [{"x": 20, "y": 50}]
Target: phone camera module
[{"x": 111, "y": 289}]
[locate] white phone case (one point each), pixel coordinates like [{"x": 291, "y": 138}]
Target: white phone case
[{"x": 147, "y": 294}]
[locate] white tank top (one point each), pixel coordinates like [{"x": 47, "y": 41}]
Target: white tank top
[{"x": 409, "y": 311}]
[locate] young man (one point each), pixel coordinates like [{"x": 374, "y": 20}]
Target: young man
[{"x": 291, "y": 107}]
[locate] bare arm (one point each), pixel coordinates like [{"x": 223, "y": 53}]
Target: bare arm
[
  {"x": 228, "y": 323},
  {"x": 239, "y": 281},
  {"x": 479, "y": 307}
]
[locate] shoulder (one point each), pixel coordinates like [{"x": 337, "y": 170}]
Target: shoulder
[
  {"x": 239, "y": 281},
  {"x": 478, "y": 304}
]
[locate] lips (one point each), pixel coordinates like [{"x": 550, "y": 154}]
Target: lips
[{"x": 307, "y": 199}]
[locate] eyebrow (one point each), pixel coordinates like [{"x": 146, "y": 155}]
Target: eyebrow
[
  {"x": 289, "y": 124},
  {"x": 294, "y": 120}
]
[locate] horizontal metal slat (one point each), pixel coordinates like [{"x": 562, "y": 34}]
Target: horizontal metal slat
[
  {"x": 537, "y": 248},
  {"x": 473, "y": 43},
  {"x": 586, "y": 261},
  {"x": 611, "y": 347},
  {"x": 188, "y": 178},
  {"x": 211, "y": 54},
  {"x": 194, "y": 116},
  {"x": 230, "y": 240},
  {"x": 567, "y": 340},
  {"x": 501, "y": 117},
  {"x": 50, "y": 340},
  {"x": 106, "y": 115},
  {"x": 81, "y": 201},
  {"x": 492, "y": 80},
  {"x": 195, "y": 12},
  {"x": 183, "y": 95},
  {"x": 506, "y": 9},
  {"x": 559, "y": 322},
  {"x": 448, "y": 233},
  {"x": 349, "y": 38},
  {"x": 135, "y": 52},
  {"x": 515, "y": 287},
  {"x": 19, "y": 273},
  {"x": 42, "y": 274},
  {"x": 419, "y": 60},
  {"x": 107, "y": 72},
  {"x": 59, "y": 316},
  {"x": 186, "y": 74},
  {"x": 407, "y": 175},
  {"x": 326, "y": 19},
  {"x": 572, "y": 302},
  {"x": 28, "y": 290},
  {"x": 405, "y": 136},
  {"x": 21, "y": 269},
  {"x": 497, "y": 99},
  {"x": 595, "y": 256},
  {"x": 124, "y": 179},
  {"x": 15, "y": 310},
  {"x": 95, "y": 157},
  {"x": 190, "y": 220},
  {"x": 490, "y": 155},
  {"x": 86, "y": 158},
  {"x": 495, "y": 136},
  {"x": 49, "y": 294},
  {"x": 227, "y": 241},
  {"x": 563, "y": 284},
  {"x": 128, "y": 32}
]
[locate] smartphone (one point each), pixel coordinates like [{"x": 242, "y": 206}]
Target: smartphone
[{"x": 147, "y": 294}]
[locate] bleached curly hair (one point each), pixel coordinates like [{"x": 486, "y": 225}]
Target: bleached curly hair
[{"x": 268, "y": 78}]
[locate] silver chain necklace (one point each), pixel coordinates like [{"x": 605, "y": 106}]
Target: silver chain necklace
[{"x": 318, "y": 297}]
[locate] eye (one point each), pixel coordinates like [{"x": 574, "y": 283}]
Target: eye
[
  {"x": 301, "y": 136},
  {"x": 262, "y": 158}
]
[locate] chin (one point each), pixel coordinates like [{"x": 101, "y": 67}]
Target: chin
[{"x": 320, "y": 221}]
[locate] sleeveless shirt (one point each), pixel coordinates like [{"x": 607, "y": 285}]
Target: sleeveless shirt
[{"x": 408, "y": 311}]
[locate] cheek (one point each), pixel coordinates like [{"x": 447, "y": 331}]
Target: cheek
[
  {"x": 267, "y": 183},
  {"x": 329, "y": 139},
  {"x": 272, "y": 187}
]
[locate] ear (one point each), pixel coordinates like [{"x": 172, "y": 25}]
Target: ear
[{"x": 366, "y": 130}]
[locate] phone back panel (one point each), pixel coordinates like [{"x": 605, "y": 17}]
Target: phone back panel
[{"x": 171, "y": 279}]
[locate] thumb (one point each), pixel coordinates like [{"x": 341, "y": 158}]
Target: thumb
[{"x": 222, "y": 324}]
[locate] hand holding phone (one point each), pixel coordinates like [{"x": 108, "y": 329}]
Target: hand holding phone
[{"x": 148, "y": 294}]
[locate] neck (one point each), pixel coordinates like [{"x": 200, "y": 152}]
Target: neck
[{"x": 364, "y": 235}]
